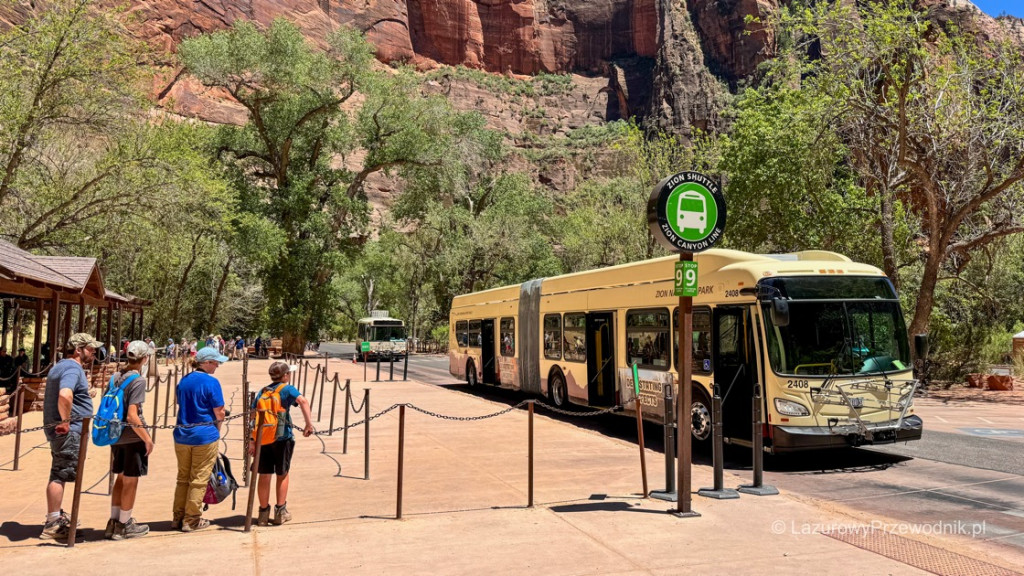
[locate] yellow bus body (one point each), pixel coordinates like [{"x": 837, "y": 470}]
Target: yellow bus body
[{"x": 842, "y": 411}]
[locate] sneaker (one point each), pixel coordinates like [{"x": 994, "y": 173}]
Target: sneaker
[
  {"x": 264, "y": 518},
  {"x": 200, "y": 524},
  {"x": 281, "y": 514},
  {"x": 129, "y": 529},
  {"x": 108, "y": 533},
  {"x": 55, "y": 530}
]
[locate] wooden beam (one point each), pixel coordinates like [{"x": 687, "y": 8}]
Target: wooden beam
[{"x": 37, "y": 338}]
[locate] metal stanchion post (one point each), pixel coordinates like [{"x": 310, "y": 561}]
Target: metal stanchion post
[
  {"x": 405, "y": 367},
  {"x": 323, "y": 384},
  {"x": 364, "y": 366},
  {"x": 156, "y": 405},
  {"x": 20, "y": 407},
  {"x": 391, "y": 367},
  {"x": 529, "y": 502},
  {"x": 669, "y": 493},
  {"x": 719, "y": 491},
  {"x": 401, "y": 458},
  {"x": 305, "y": 378},
  {"x": 758, "y": 488},
  {"x": 167, "y": 396},
  {"x": 255, "y": 474},
  {"x": 348, "y": 404},
  {"x": 366, "y": 434},
  {"x": 79, "y": 474},
  {"x": 334, "y": 402},
  {"x": 246, "y": 431},
  {"x": 377, "y": 378}
]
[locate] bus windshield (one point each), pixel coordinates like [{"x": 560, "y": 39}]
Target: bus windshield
[
  {"x": 839, "y": 338},
  {"x": 388, "y": 333}
]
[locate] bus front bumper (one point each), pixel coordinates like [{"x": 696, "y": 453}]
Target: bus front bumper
[{"x": 796, "y": 438}]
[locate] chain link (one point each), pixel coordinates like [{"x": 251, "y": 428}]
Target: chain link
[
  {"x": 467, "y": 418},
  {"x": 557, "y": 410},
  {"x": 362, "y": 404},
  {"x": 123, "y": 424}
]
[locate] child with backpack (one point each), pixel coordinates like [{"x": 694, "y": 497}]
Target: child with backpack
[
  {"x": 130, "y": 451},
  {"x": 277, "y": 442}
]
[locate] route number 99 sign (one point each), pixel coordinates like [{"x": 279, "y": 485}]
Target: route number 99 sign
[{"x": 686, "y": 279}]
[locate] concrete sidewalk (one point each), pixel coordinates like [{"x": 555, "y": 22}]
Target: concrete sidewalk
[{"x": 464, "y": 505}]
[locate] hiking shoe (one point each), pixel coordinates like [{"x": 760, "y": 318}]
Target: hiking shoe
[
  {"x": 129, "y": 529},
  {"x": 264, "y": 518},
  {"x": 200, "y": 524},
  {"x": 55, "y": 530},
  {"x": 108, "y": 533},
  {"x": 281, "y": 514}
]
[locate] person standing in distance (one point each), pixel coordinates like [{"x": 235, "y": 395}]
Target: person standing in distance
[
  {"x": 130, "y": 454},
  {"x": 201, "y": 410},
  {"x": 65, "y": 402}
]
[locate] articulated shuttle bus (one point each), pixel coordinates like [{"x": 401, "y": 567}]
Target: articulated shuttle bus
[{"x": 821, "y": 337}]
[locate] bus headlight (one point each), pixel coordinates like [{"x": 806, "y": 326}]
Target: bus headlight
[{"x": 790, "y": 408}]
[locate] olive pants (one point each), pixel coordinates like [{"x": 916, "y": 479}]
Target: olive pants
[{"x": 195, "y": 463}]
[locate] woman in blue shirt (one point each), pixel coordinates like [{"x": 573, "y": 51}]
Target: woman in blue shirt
[{"x": 201, "y": 407}]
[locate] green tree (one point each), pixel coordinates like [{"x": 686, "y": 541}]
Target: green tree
[
  {"x": 304, "y": 157},
  {"x": 935, "y": 116}
]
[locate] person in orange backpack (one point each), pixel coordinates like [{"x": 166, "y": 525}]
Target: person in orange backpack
[{"x": 277, "y": 442}]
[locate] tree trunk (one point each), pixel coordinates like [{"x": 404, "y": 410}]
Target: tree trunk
[
  {"x": 888, "y": 239},
  {"x": 926, "y": 295},
  {"x": 293, "y": 342},
  {"x": 183, "y": 282},
  {"x": 216, "y": 297}
]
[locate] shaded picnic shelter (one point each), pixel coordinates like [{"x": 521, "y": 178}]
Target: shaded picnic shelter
[{"x": 65, "y": 295}]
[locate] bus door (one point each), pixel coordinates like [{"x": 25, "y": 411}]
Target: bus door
[
  {"x": 600, "y": 359},
  {"x": 487, "y": 356},
  {"x": 735, "y": 369}
]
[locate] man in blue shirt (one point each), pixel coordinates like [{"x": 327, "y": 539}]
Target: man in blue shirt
[
  {"x": 65, "y": 402},
  {"x": 201, "y": 409},
  {"x": 276, "y": 457}
]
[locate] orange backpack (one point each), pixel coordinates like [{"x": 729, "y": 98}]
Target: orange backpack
[{"x": 275, "y": 417}]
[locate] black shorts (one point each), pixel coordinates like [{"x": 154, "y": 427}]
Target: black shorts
[
  {"x": 64, "y": 457},
  {"x": 130, "y": 459},
  {"x": 276, "y": 458}
]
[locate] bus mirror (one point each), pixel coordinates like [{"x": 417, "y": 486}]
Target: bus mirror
[
  {"x": 921, "y": 346},
  {"x": 780, "y": 312}
]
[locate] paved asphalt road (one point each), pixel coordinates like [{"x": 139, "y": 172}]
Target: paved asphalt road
[{"x": 943, "y": 477}]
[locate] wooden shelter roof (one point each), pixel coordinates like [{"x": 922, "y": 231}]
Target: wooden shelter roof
[{"x": 71, "y": 278}]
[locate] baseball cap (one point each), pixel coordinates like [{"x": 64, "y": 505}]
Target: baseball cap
[
  {"x": 137, "y": 349},
  {"x": 210, "y": 353},
  {"x": 279, "y": 369},
  {"x": 83, "y": 339}
]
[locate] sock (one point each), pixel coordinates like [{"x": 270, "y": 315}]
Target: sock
[
  {"x": 279, "y": 506},
  {"x": 115, "y": 512},
  {"x": 126, "y": 515},
  {"x": 52, "y": 517}
]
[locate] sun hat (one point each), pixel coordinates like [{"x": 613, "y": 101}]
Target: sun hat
[{"x": 210, "y": 353}]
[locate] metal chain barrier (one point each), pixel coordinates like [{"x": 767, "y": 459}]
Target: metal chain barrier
[{"x": 617, "y": 408}]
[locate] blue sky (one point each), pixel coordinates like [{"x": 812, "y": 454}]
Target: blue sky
[{"x": 997, "y": 7}]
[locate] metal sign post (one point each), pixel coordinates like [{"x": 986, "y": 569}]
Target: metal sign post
[{"x": 686, "y": 214}]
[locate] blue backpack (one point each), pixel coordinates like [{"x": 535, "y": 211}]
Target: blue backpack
[{"x": 109, "y": 420}]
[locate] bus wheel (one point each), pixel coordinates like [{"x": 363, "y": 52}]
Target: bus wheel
[
  {"x": 557, "y": 390},
  {"x": 700, "y": 417},
  {"x": 471, "y": 374}
]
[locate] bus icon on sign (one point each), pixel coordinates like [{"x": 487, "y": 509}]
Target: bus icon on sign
[{"x": 692, "y": 211}]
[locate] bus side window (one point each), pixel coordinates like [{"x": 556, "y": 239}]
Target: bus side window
[
  {"x": 553, "y": 337},
  {"x": 461, "y": 333},
  {"x": 575, "y": 338},
  {"x": 508, "y": 337},
  {"x": 701, "y": 340},
  {"x": 475, "y": 337}
]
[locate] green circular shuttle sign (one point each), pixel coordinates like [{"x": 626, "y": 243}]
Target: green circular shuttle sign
[{"x": 686, "y": 212}]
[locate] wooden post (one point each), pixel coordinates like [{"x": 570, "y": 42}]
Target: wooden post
[
  {"x": 640, "y": 436},
  {"x": 156, "y": 405},
  {"x": 685, "y": 447},
  {"x": 334, "y": 403},
  {"x": 20, "y": 407},
  {"x": 37, "y": 338},
  {"x": 348, "y": 403},
  {"x": 79, "y": 473},
  {"x": 255, "y": 474},
  {"x": 366, "y": 434},
  {"x": 323, "y": 383},
  {"x": 246, "y": 429},
  {"x": 401, "y": 458},
  {"x": 529, "y": 501},
  {"x": 170, "y": 390}
]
